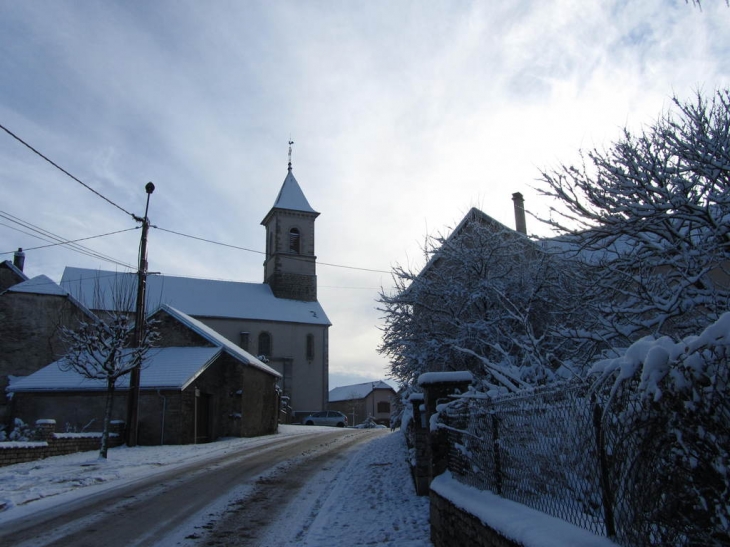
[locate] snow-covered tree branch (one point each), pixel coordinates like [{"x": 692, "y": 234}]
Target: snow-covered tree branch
[
  {"x": 650, "y": 220},
  {"x": 489, "y": 301}
]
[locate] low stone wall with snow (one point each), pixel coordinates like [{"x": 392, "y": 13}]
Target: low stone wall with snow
[
  {"x": 51, "y": 444},
  {"x": 463, "y": 515}
]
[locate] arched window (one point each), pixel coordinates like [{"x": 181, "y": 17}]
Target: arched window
[
  {"x": 310, "y": 347},
  {"x": 264, "y": 344},
  {"x": 383, "y": 406},
  {"x": 294, "y": 240}
]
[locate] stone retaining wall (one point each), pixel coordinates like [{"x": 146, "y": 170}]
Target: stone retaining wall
[
  {"x": 48, "y": 443},
  {"x": 451, "y": 525}
]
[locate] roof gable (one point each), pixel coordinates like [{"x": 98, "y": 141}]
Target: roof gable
[
  {"x": 480, "y": 218},
  {"x": 44, "y": 286},
  {"x": 40, "y": 284},
  {"x": 217, "y": 340}
]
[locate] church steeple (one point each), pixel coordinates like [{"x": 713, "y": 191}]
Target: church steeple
[{"x": 291, "y": 266}]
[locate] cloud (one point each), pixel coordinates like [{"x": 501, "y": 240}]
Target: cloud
[{"x": 404, "y": 115}]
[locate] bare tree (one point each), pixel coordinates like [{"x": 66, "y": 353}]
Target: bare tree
[{"x": 100, "y": 349}]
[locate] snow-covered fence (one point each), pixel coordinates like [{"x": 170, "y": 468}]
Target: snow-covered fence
[
  {"x": 604, "y": 460},
  {"x": 537, "y": 449}
]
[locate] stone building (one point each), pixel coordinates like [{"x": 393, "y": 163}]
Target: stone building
[
  {"x": 11, "y": 273},
  {"x": 362, "y": 401},
  {"x": 196, "y": 387},
  {"x": 279, "y": 320},
  {"x": 32, "y": 314}
]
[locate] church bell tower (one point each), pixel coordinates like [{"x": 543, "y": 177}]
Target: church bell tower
[{"x": 290, "y": 268}]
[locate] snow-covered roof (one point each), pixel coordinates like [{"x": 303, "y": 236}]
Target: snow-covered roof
[
  {"x": 356, "y": 391},
  {"x": 167, "y": 367},
  {"x": 40, "y": 284},
  {"x": 195, "y": 297},
  {"x": 291, "y": 196},
  {"x": 456, "y": 376},
  {"x": 164, "y": 368},
  {"x": 221, "y": 341},
  {"x": 44, "y": 285}
]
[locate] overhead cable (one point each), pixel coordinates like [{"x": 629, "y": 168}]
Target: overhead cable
[
  {"x": 64, "y": 171},
  {"x": 64, "y": 242},
  {"x": 50, "y": 237},
  {"x": 293, "y": 257}
]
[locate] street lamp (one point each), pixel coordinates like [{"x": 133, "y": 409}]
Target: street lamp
[{"x": 139, "y": 322}]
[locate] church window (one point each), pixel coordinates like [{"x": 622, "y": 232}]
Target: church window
[
  {"x": 294, "y": 240},
  {"x": 265, "y": 344},
  {"x": 310, "y": 347}
]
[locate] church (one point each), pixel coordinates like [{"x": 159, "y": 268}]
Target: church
[{"x": 279, "y": 321}]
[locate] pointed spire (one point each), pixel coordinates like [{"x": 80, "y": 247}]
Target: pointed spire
[
  {"x": 290, "y": 143},
  {"x": 291, "y": 196}
]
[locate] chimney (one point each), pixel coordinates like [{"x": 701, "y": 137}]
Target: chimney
[
  {"x": 19, "y": 259},
  {"x": 520, "y": 224}
]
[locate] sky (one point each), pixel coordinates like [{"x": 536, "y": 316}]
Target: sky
[{"x": 404, "y": 115}]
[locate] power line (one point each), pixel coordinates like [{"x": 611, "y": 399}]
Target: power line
[
  {"x": 163, "y": 229},
  {"x": 208, "y": 240},
  {"x": 293, "y": 257},
  {"x": 64, "y": 171},
  {"x": 63, "y": 242},
  {"x": 352, "y": 267},
  {"x": 50, "y": 237}
]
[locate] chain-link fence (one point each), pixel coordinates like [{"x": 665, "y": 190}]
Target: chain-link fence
[{"x": 602, "y": 461}]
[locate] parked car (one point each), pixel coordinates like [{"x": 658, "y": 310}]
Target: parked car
[{"x": 326, "y": 417}]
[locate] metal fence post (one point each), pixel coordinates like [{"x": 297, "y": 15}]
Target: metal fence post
[
  {"x": 606, "y": 494},
  {"x": 497, "y": 456}
]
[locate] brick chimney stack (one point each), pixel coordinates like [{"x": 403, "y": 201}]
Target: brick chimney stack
[
  {"x": 520, "y": 224},
  {"x": 19, "y": 259}
]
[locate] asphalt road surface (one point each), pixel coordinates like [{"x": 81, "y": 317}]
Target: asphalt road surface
[{"x": 226, "y": 500}]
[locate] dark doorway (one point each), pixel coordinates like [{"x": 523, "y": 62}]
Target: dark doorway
[{"x": 202, "y": 418}]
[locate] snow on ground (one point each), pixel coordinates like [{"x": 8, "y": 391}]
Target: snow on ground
[{"x": 370, "y": 500}]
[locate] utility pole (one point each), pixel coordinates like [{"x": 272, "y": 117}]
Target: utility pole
[{"x": 139, "y": 325}]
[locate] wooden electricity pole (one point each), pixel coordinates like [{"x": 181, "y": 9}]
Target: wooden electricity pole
[{"x": 139, "y": 326}]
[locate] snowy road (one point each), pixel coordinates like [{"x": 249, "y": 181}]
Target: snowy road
[{"x": 228, "y": 499}]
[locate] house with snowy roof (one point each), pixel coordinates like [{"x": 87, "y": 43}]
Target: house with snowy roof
[
  {"x": 280, "y": 320},
  {"x": 361, "y": 401},
  {"x": 33, "y": 313},
  {"x": 11, "y": 273},
  {"x": 195, "y": 387}
]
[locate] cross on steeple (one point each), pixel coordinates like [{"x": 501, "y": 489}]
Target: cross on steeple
[{"x": 290, "y": 143}]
